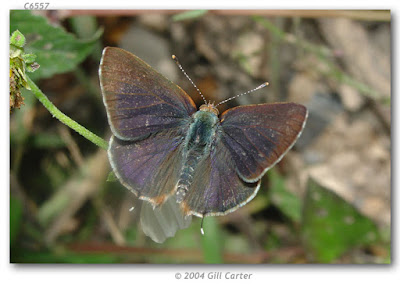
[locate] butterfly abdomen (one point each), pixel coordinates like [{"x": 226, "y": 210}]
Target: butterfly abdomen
[
  {"x": 186, "y": 177},
  {"x": 197, "y": 147}
]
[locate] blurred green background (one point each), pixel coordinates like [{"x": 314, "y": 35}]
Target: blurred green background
[{"x": 327, "y": 201}]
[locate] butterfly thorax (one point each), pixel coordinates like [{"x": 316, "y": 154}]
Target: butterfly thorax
[{"x": 197, "y": 146}]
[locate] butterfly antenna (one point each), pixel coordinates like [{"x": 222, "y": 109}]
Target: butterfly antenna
[
  {"x": 181, "y": 68},
  {"x": 244, "y": 93},
  {"x": 201, "y": 226}
]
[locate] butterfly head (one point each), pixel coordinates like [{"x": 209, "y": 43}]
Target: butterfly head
[{"x": 210, "y": 108}]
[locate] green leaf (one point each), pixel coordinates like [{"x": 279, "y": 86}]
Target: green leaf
[
  {"x": 32, "y": 67},
  {"x": 111, "y": 177},
  {"x": 15, "y": 52},
  {"x": 288, "y": 203},
  {"x": 331, "y": 226},
  {"x": 28, "y": 58},
  {"x": 16, "y": 210},
  {"x": 188, "y": 15},
  {"x": 57, "y": 51},
  {"x": 17, "y": 39}
]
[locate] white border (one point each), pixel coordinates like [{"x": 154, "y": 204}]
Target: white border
[{"x": 163, "y": 275}]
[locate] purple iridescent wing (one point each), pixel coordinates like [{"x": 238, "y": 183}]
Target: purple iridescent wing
[
  {"x": 139, "y": 100},
  {"x": 217, "y": 189},
  {"x": 150, "y": 167},
  {"x": 258, "y": 136}
]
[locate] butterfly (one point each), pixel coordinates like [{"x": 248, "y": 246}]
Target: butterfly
[{"x": 163, "y": 147}]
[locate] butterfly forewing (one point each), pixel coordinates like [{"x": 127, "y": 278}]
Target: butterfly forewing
[
  {"x": 139, "y": 100},
  {"x": 258, "y": 136}
]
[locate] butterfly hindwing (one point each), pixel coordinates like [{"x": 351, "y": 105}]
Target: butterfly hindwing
[
  {"x": 216, "y": 188},
  {"x": 163, "y": 222},
  {"x": 258, "y": 136},
  {"x": 150, "y": 167}
]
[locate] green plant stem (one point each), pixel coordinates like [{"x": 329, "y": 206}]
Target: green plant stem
[
  {"x": 211, "y": 241},
  {"x": 65, "y": 119}
]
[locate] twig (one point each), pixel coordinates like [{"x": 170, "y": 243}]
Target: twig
[
  {"x": 111, "y": 225},
  {"x": 193, "y": 255},
  {"x": 58, "y": 210},
  {"x": 71, "y": 145}
]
